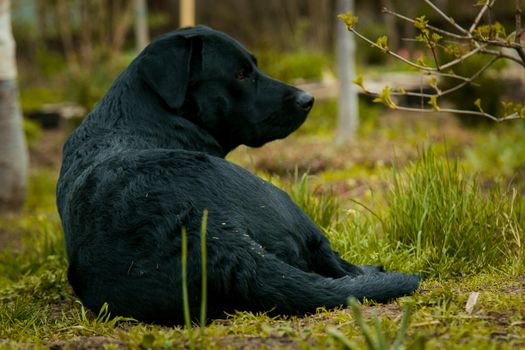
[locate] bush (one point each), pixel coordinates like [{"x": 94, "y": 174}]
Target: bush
[{"x": 293, "y": 66}]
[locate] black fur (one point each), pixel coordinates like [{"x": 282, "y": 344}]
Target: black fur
[{"x": 148, "y": 160}]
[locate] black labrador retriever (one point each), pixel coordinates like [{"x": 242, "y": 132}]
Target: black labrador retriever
[{"x": 149, "y": 159}]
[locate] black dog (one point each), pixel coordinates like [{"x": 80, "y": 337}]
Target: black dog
[{"x": 148, "y": 160}]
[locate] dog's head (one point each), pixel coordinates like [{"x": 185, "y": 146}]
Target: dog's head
[{"x": 208, "y": 77}]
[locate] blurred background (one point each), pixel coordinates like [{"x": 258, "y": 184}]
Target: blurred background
[
  {"x": 69, "y": 52},
  {"x": 72, "y": 50}
]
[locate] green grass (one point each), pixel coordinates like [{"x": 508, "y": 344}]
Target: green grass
[
  {"x": 499, "y": 151},
  {"x": 453, "y": 225},
  {"x": 375, "y": 339},
  {"x": 435, "y": 218},
  {"x": 323, "y": 209}
]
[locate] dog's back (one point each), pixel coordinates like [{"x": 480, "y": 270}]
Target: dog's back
[{"x": 148, "y": 160}]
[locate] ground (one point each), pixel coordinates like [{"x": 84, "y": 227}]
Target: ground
[{"x": 38, "y": 308}]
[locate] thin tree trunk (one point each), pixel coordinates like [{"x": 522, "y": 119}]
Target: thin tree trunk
[
  {"x": 13, "y": 151},
  {"x": 141, "y": 24},
  {"x": 348, "y": 117},
  {"x": 187, "y": 13}
]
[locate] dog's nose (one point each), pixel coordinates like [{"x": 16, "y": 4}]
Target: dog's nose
[{"x": 305, "y": 101}]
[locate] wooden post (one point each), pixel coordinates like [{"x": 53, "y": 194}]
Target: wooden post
[
  {"x": 187, "y": 13},
  {"x": 348, "y": 116}
]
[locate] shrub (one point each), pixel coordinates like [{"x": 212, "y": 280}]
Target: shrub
[{"x": 294, "y": 65}]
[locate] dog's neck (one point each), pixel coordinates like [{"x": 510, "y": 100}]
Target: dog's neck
[{"x": 153, "y": 126}]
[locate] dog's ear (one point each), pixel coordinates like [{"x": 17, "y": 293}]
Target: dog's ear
[{"x": 166, "y": 67}]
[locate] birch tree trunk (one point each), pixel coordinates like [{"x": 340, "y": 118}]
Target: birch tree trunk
[
  {"x": 13, "y": 150},
  {"x": 348, "y": 116},
  {"x": 141, "y": 24}
]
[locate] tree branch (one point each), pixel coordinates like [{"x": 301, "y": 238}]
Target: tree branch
[
  {"x": 463, "y": 46},
  {"x": 447, "y": 18},
  {"x": 432, "y": 28},
  {"x": 518, "y": 32},
  {"x": 460, "y": 111},
  {"x": 488, "y": 4}
]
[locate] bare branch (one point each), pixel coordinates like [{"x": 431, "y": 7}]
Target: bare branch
[
  {"x": 464, "y": 45},
  {"x": 401, "y": 58},
  {"x": 432, "y": 28},
  {"x": 462, "y": 58},
  {"x": 448, "y": 91},
  {"x": 451, "y": 76},
  {"x": 503, "y": 55},
  {"x": 488, "y": 4},
  {"x": 472, "y": 78},
  {"x": 432, "y": 49},
  {"x": 501, "y": 43},
  {"x": 447, "y": 18},
  {"x": 461, "y": 111}
]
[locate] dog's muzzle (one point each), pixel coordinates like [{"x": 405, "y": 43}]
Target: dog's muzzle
[{"x": 304, "y": 101}]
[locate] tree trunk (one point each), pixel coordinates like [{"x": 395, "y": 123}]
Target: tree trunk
[
  {"x": 187, "y": 13},
  {"x": 141, "y": 24},
  {"x": 348, "y": 116},
  {"x": 13, "y": 151}
]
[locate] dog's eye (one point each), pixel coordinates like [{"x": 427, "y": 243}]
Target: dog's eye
[{"x": 241, "y": 74}]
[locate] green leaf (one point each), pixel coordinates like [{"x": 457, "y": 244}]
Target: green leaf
[
  {"x": 421, "y": 61},
  {"x": 382, "y": 42},
  {"x": 359, "y": 81},
  {"x": 477, "y": 103},
  {"x": 433, "y": 82},
  {"x": 385, "y": 97},
  {"x": 433, "y": 102},
  {"x": 453, "y": 49},
  {"x": 421, "y": 22},
  {"x": 349, "y": 19},
  {"x": 436, "y": 37}
]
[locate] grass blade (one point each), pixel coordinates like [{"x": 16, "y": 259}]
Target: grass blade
[
  {"x": 185, "y": 300},
  {"x": 341, "y": 338},
  {"x": 204, "y": 275},
  {"x": 403, "y": 327},
  {"x": 358, "y": 316}
]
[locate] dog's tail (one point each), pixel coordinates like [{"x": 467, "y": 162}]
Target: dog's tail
[{"x": 289, "y": 290}]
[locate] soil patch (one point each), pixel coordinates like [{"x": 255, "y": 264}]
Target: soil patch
[{"x": 86, "y": 343}]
